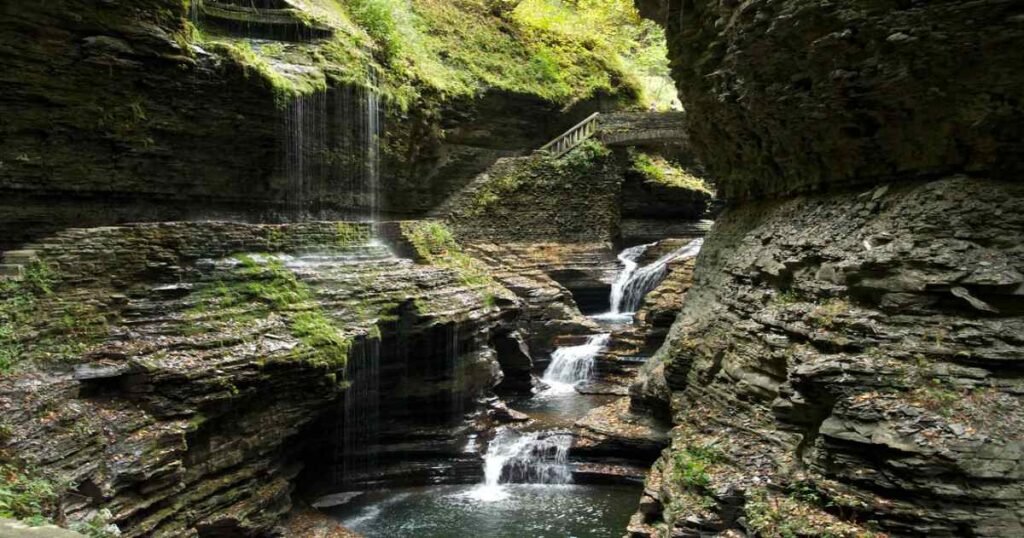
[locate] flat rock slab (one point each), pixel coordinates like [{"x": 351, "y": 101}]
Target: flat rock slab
[{"x": 10, "y": 528}]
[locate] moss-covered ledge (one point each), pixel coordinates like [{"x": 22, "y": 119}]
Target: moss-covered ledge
[{"x": 193, "y": 352}]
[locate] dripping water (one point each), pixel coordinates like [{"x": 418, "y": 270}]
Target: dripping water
[
  {"x": 331, "y": 154},
  {"x": 457, "y": 402},
  {"x": 361, "y": 415},
  {"x": 195, "y": 12}
]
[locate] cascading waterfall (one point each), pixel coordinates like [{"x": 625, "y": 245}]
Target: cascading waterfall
[
  {"x": 633, "y": 284},
  {"x": 515, "y": 457},
  {"x": 628, "y": 258},
  {"x": 572, "y": 365}
]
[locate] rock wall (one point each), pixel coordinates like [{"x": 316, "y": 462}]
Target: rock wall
[
  {"x": 790, "y": 96},
  {"x": 847, "y": 354},
  {"x": 847, "y": 362},
  {"x": 125, "y": 112},
  {"x": 170, "y": 373}
]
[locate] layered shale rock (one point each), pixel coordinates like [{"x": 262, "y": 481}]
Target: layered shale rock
[
  {"x": 846, "y": 349},
  {"x": 181, "y": 109},
  {"x": 792, "y": 95},
  {"x": 169, "y": 374},
  {"x": 847, "y": 363}
]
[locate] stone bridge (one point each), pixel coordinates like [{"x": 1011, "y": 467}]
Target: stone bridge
[{"x": 622, "y": 129}]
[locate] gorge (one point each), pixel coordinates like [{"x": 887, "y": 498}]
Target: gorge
[{"x": 511, "y": 268}]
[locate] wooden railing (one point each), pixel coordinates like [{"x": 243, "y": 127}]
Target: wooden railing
[{"x": 572, "y": 138}]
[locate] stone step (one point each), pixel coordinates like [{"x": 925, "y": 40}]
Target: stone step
[
  {"x": 20, "y": 257},
  {"x": 285, "y": 24}
]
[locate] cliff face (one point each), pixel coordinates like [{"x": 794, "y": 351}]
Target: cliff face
[
  {"x": 174, "y": 110},
  {"x": 171, "y": 374},
  {"x": 845, "y": 362},
  {"x": 791, "y": 96}
]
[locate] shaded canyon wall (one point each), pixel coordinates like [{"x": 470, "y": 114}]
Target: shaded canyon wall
[{"x": 848, "y": 360}]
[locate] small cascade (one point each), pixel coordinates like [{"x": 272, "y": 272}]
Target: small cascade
[
  {"x": 634, "y": 282},
  {"x": 628, "y": 258},
  {"x": 648, "y": 277},
  {"x": 515, "y": 457},
  {"x": 574, "y": 364}
]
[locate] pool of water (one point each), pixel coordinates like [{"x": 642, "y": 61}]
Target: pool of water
[
  {"x": 522, "y": 511},
  {"x": 558, "y": 409}
]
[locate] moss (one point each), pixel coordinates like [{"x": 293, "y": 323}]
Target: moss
[
  {"x": 826, "y": 315},
  {"x": 26, "y": 494},
  {"x": 30, "y": 326},
  {"x": 435, "y": 244},
  {"x": 582, "y": 162},
  {"x": 284, "y": 87},
  {"x": 350, "y": 234},
  {"x": 690, "y": 466},
  {"x": 261, "y": 285},
  {"x": 657, "y": 169},
  {"x": 325, "y": 345}
]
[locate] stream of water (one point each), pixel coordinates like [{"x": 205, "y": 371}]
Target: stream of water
[
  {"x": 635, "y": 282},
  {"x": 528, "y": 489}
]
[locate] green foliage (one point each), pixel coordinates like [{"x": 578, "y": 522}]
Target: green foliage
[
  {"x": 435, "y": 244},
  {"x": 377, "y": 17},
  {"x": 18, "y": 301},
  {"x": 659, "y": 170},
  {"x": 690, "y": 465},
  {"x": 25, "y": 495},
  {"x": 613, "y": 29}
]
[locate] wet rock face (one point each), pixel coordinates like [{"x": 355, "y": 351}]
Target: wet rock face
[
  {"x": 173, "y": 379},
  {"x": 794, "y": 95},
  {"x": 856, "y": 354},
  {"x": 113, "y": 113}
]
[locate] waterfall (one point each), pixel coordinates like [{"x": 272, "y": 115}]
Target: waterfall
[
  {"x": 372, "y": 135},
  {"x": 456, "y": 393},
  {"x": 634, "y": 283},
  {"x": 360, "y": 427},
  {"x": 331, "y": 151},
  {"x": 515, "y": 457},
  {"x": 195, "y": 11},
  {"x": 305, "y": 135},
  {"x": 573, "y": 364},
  {"x": 628, "y": 259}
]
